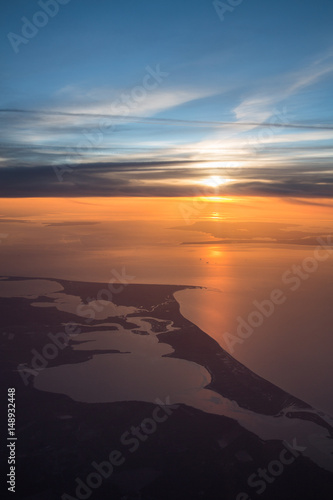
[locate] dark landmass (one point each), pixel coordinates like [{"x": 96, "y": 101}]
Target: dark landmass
[
  {"x": 307, "y": 241},
  {"x": 190, "y": 455}
]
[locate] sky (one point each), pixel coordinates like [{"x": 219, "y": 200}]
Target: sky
[{"x": 167, "y": 99}]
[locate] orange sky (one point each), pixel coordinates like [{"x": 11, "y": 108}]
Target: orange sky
[{"x": 303, "y": 211}]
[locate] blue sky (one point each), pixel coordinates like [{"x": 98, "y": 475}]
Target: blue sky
[{"x": 162, "y": 98}]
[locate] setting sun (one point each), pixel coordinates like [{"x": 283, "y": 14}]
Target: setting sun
[{"x": 215, "y": 181}]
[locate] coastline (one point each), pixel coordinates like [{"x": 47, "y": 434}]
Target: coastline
[{"x": 61, "y": 417}]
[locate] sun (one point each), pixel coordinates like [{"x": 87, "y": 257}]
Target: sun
[{"x": 215, "y": 181}]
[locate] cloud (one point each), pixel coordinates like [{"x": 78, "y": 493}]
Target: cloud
[
  {"x": 160, "y": 179},
  {"x": 13, "y": 220},
  {"x": 73, "y": 223},
  {"x": 88, "y": 110},
  {"x": 245, "y": 232},
  {"x": 261, "y": 105},
  {"x": 86, "y": 138},
  {"x": 97, "y": 150},
  {"x": 96, "y": 113},
  {"x": 294, "y": 201}
]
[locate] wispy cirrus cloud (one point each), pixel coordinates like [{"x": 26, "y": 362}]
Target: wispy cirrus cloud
[{"x": 261, "y": 105}]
